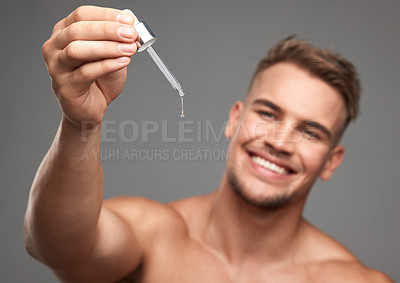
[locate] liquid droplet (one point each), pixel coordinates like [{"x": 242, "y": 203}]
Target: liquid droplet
[{"x": 182, "y": 110}]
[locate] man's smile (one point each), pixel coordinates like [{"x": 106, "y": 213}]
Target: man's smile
[{"x": 269, "y": 165}]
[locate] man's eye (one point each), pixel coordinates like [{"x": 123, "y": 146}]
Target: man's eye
[
  {"x": 266, "y": 114},
  {"x": 311, "y": 133}
]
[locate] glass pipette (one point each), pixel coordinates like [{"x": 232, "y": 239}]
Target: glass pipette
[{"x": 167, "y": 73}]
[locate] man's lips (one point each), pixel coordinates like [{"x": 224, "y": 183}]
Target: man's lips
[{"x": 271, "y": 163}]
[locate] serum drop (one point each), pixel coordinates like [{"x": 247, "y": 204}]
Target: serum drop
[{"x": 182, "y": 111}]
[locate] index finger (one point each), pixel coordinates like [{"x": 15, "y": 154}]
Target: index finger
[{"x": 94, "y": 13}]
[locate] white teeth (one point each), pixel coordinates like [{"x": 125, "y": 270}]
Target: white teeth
[{"x": 269, "y": 165}]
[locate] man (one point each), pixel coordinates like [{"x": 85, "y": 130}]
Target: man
[{"x": 282, "y": 138}]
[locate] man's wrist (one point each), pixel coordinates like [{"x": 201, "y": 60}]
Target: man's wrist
[{"x": 86, "y": 130}]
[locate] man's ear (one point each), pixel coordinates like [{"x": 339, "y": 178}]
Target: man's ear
[
  {"x": 234, "y": 116},
  {"x": 334, "y": 160}
]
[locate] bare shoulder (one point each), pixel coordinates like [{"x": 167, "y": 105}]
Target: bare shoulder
[
  {"x": 148, "y": 218},
  {"x": 349, "y": 271},
  {"x": 129, "y": 230},
  {"x": 134, "y": 207},
  {"x": 193, "y": 209},
  {"x": 332, "y": 262},
  {"x": 187, "y": 205}
]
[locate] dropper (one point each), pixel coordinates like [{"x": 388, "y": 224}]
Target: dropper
[
  {"x": 167, "y": 73},
  {"x": 147, "y": 38}
]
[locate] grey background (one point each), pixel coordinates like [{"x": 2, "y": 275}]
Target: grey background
[{"x": 212, "y": 47}]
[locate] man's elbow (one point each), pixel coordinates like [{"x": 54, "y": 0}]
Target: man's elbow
[
  {"x": 380, "y": 277},
  {"x": 29, "y": 242}
]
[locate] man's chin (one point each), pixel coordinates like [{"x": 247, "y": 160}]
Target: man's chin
[{"x": 268, "y": 203}]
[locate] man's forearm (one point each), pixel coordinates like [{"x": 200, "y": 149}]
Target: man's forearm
[{"x": 66, "y": 198}]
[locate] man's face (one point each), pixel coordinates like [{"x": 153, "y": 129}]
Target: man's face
[{"x": 284, "y": 136}]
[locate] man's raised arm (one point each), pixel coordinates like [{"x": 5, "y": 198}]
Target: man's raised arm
[{"x": 86, "y": 56}]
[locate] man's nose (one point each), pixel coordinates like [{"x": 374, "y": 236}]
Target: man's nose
[{"x": 283, "y": 138}]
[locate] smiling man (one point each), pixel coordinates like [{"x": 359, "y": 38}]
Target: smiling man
[
  {"x": 289, "y": 125},
  {"x": 283, "y": 137}
]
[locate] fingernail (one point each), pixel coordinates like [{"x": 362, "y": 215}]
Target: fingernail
[
  {"x": 122, "y": 60},
  {"x": 125, "y": 47},
  {"x": 125, "y": 19},
  {"x": 126, "y": 32}
]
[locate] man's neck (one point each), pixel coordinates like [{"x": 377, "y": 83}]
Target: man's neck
[{"x": 240, "y": 231}]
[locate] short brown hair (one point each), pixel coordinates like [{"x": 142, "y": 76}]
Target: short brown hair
[{"x": 328, "y": 66}]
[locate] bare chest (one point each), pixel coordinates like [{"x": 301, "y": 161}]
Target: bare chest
[{"x": 195, "y": 265}]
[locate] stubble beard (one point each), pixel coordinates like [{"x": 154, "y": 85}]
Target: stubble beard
[{"x": 265, "y": 203}]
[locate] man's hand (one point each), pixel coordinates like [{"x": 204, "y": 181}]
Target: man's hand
[{"x": 86, "y": 56}]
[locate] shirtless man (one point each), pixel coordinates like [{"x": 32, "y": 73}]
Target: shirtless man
[{"x": 282, "y": 138}]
